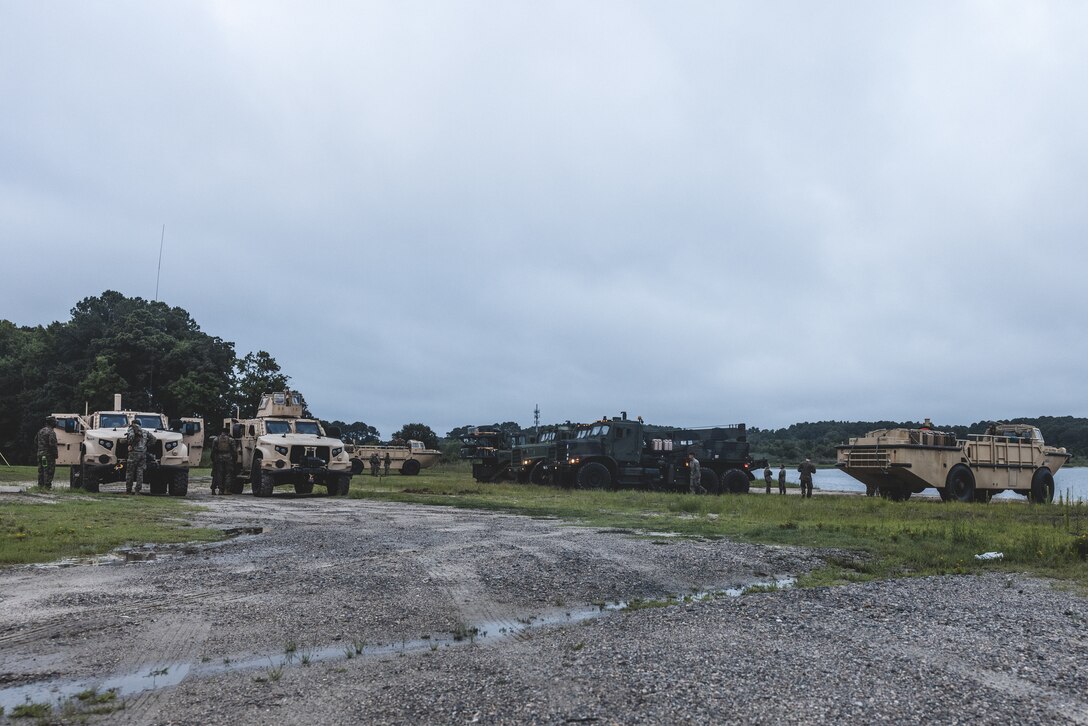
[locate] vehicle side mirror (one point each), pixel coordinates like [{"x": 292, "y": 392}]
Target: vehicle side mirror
[{"x": 333, "y": 432}]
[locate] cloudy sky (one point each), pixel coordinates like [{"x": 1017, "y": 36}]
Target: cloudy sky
[{"x": 449, "y": 212}]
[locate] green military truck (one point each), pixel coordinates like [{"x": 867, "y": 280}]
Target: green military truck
[
  {"x": 529, "y": 462},
  {"x": 489, "y": 450},
  {"x": 629, "y": 453}
]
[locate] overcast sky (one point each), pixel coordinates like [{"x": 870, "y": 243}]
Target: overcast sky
[{"x": 449, "y": 212}]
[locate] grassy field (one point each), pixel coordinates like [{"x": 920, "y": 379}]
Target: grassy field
[
  {"x": 893, "y": 539},
  {"x": 72, "y": 524}
]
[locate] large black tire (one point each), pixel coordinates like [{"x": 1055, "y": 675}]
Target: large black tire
[
  {"x": 537, "y": 475},
  {"x": 1042, "y": 486},
  {"x": 75, "y": 481},
  {"x": 358, "y": 466},
  {"x": 736, "y": 481},
  {"x": 959, "y": 485},
  {"x": 308, "y": 488},
  {"x": 894, "y": 492},
  {"x": 90, "y": 480},
  {"x": 236, "y": 485},
  {"x": 708, "y": 479},
  {"x": 179, "y": 484},
  {"x": 255, "y": 476},
  {"x": 594, "y": 475},
  {"x": 266, "y": 484},
  {"x": 945, "y": 496},
  {"x": 157, "y": 485},
  {"x": 410, "y": 467}
]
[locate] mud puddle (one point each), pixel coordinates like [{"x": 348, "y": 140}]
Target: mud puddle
[
  {"x": 269, "y": 666},
  {"x": 152, "y": 552}
]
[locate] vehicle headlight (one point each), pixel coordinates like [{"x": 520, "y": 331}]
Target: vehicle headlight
[
  {"x": 526, "y": 462},
  {"x": 170, "y": 445},
  {"x": 281, "y": 450},
  {"x": 337, "y": 451},
  {"x": 573, "y": 460},
  {"x": 106, "y": 444}
]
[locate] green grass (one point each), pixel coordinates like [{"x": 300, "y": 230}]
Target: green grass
[
  {"x": 47, "y": 526},
  {"x": 877, "y": 538}
]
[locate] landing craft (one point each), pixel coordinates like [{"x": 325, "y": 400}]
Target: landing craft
[{"x": 898, "y": 462}]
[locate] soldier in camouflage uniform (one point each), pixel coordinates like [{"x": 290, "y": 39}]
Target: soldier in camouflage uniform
[
  {"x": 138, "y": 441},
  {"x": 46, "y": 444},
  {"x": 768, "y": 477},
  {"x": 695, "y": 474},
  {"x": 386, "y": 462},
  {"x": 375, "y": 463},
  {"x": 224, "y": 454},
  {"x": 807, "y": 469},
  {"x": 781, "y": 478}
]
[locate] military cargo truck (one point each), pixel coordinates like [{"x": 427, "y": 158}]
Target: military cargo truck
[
  {"x": 898, "y": 462},
  {"x": 629, "y": 453},
  {"x": 489, "y": 450},
  {"x": 408, "y": 460},
  {"x": 279, "y": 447},
  {"x": 530, "y": 460},
  {"x": 94, "y": 448}
]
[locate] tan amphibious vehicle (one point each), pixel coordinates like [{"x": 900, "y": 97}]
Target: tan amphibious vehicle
[{"x": 896, "y": 463}]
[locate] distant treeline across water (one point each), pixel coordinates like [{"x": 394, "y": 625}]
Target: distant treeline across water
[{"x": 818, "y": 440}]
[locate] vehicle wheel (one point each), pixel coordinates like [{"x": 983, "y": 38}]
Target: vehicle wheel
[
  {"x": 236, "y": 485},
  {"x": 960, "y": 484},
  {"x": 943, "y": 491},
  {"x": 594, "y": 476},
  {"x": 90, "y": 480},
  {"x": 735, "y": 481},
  {"x": 308, "y": 488},
  {"x": 410, "y": 467},
  {"x": 255, "y": 476},
  {"x": 537, "y": 475},
  {"x": 357, "y": 466},
  {"x": 709, "y": 480},
  {"x": 1042, "y": 486},
  {"x": 75, "y": 481},
  {"x": 266, "y": 484},
  {"x": 179, "y": 485},
  {"x": 895, "y": 493},
  {"x": 157, "y": 486},
  {"x": 345, "y": 485}
]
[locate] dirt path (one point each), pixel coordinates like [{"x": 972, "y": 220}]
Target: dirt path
[{"x": 344, "y": 611}]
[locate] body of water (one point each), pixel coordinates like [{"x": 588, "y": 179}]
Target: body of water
[{"x": 1070, "y": 482}]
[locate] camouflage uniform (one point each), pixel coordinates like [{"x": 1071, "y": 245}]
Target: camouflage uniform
[
  {"x": 387, "y": 462},
  {"x": 768, "y": 476},
  {"x": 138, "y": 441},
  {"x": 224, "y": 454},
  {"x": 695, "y": 475},
  {"x": 807, "y": 469},
  {"x": 782, "y": 479},
  {"x": 46, "y": 444},
  {"x": 375, "y": 462}
]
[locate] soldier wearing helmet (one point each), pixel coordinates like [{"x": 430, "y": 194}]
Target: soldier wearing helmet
[{"x": 138, "y": 440}]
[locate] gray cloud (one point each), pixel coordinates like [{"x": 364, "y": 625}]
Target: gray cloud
[{"x": 450, "y": 212}]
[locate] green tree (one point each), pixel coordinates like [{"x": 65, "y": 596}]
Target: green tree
[
  {"x": 419, "y": 432},
  {"x": 256, "y": 374}
]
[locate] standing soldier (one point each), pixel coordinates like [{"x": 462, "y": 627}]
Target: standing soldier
[
  {"x": 388, "y": 460},
  {"x": 46, "y": 444},
  {"x": 138, "y": 441},
  {"x": 781, "y": 478},
  {"x": 695, "y": 474},
  {"x": 807, "y": 469},
  {"x": 768, "y": 476},
  {"x": 224, "y": 454},
  {"x": 375, "y": 462}
]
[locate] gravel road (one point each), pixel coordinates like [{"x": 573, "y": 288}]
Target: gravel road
[{"x": 345, "y": 611}]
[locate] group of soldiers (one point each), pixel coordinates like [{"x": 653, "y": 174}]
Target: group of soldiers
[
  {"x": 138, "y": 439},
  {"x": 807, "y": 469},
  {"x": 377, "y": 462}
]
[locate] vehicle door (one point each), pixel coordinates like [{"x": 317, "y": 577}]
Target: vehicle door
[
  {"x": 192, "y": 434},
  {"x": 70, "y": 431}
]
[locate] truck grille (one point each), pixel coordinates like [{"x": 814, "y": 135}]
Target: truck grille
[{"x": 309, "y": 455}]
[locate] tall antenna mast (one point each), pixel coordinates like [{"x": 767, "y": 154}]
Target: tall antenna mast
[
  {"x": 159, "y": 271},
  {"x": 536, "y": 418}
]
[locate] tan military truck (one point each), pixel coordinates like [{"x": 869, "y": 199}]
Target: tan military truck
[
  {"x": 898, "y": 462},
  {"x": 408, "y": 460},
  {"x": 279, "y": 447},
  {"x": 94, "y": 448}
]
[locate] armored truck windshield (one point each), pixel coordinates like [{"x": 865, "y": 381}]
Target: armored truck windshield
[
  {"x": 277, "y": 427},
  {"x": 149, "y": 422},
  {"x": 112, "y": 421},
  {"x": 307, "y": 427}
]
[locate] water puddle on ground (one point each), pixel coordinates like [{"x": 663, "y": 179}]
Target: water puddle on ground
[
  {"x": 151, "y": 552},
  {"x": 270, "y": 666}
]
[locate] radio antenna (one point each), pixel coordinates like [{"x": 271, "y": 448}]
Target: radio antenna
[{"x": 158, "y": 272}]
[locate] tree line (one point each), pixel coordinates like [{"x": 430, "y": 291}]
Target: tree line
[{"x": 154, "y": 355}]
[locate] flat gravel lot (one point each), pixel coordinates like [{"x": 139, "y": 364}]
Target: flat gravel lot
[{"x": 345, "y": 611}]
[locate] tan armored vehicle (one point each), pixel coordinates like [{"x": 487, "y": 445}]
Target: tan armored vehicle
[
  {"x": 899, "y": 462},
  {"x": 407, "y": 460},
  {"x": 93, "y": 446},
  {"x": 279, "y": 447}
]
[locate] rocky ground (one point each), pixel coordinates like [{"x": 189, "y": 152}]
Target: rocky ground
[{"x": 344, "y": 611}]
